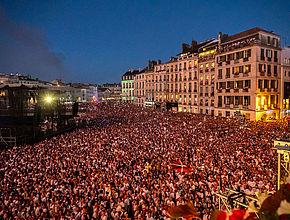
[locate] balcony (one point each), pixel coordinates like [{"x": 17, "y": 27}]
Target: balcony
[
  {"x": 236, "y": 74},
  {"x": 228, "y": 62},
  {"x": 206, "y": 104},
  {"x": 212, "y": 82},
  {"x": 195, "y": 90},
  {"x": 262, "y": 73},
  {"x": 212, "y": 104},
  {"x": 220, "y": 64},
  {"x": 195, "y": 103},
  {"x": 236, "y": 89},
  {"x": 269, "y": 74},
  {"x": 201, "y": 82},
  {"x": 201, "y": 71},
  {"x": 236, "y": 61},
  {"x": 245, "y": 89},
  {"x": 245, "y": 59},
  {"x": 206, "y": 82},
  {"x": 246, "y": 73},
  {"x": 269, "y": 59},
  {"x": 189, "y": 67},
  {"x": 195, "y": 66},
  {"x": 220, "y": 90},
  {"x": 228, "y": 89},
  {"x": 212, "y": 69},
  {"x": 206, "y": 70}
]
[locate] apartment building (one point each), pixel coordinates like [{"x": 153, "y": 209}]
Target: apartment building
[
  {"x": 127, "y": 83},
  {"x": 143, "y": 85},
  {"x": 206, "y": 58},
  {"x": 248, "y": 75},
  {"x": 232, "y": 74},
  {"x": 285, "y": 82}
]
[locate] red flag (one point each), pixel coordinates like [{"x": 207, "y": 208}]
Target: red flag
[{"x": 179, "y": 166}]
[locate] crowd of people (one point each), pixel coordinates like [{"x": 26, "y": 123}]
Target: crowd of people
[{"x": 118, "y": 165}]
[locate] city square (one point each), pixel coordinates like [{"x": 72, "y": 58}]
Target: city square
[{"x": 119, "y": 165}]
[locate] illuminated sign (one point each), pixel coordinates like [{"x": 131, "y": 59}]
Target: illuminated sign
[{"x": 2, "y": 93}]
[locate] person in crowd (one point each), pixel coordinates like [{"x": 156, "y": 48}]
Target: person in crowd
[{"x": 117, "y": 166}]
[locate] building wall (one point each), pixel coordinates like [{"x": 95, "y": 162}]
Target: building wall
[
  {"x": 240, "y": 74},
  {"x": 285, "y": 82},
  {"x": 128, "y": 88},
  {"x": 241, "y": 83}
]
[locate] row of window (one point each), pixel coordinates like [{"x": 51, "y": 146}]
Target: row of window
[
  {"x": 234, "y": 84},
  {"x": 234, "y": 100},
  {"x": 235, "y": 56},
  {"x": 235, "y": 71}
]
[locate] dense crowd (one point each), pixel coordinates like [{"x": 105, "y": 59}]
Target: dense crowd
[{"x": 118, "y": 166}]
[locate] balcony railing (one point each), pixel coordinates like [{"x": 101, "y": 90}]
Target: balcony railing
[
  {"x": 262, "y": 73},
  {"x": 220, "y": 64},
  {"x": 206, "y": 70},
  {"x": 245, "y": 59},
  {"x": 228, "y": 89},
  {"x": 201, "y": 82},
  {"x": 246, "y": 73},
  {"x": 245, "y": 89},
  {"x": 236, "y": 61},
  {"x": 228, "y": 62},
  {"x": 220, "y": 90},
  {"x": 236, "y": 89},
  {"x": 212, "y": 69},
  {"x": 201, "y": 71}
]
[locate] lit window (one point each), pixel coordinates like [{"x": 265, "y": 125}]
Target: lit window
[
  {"x": 212, "y": 64},
  {"x": 201, "y": 66},
  {"x": 206, "y": 65}
]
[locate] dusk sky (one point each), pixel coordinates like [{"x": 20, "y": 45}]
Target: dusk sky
[{"x": 95, "y": 41}]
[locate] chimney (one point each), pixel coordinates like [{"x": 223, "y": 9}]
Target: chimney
[
  {"x": 220, "y": 37},
  {"x": 159, "y": 61},
  {"x": 185, "y": 47},
  {"x": 193, "y": 44}
]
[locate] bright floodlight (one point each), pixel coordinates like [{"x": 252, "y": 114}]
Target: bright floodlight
[{"x": 48, "y": 99}]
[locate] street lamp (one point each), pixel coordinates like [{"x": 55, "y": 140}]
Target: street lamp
[{"x": 48, "y": 99}]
